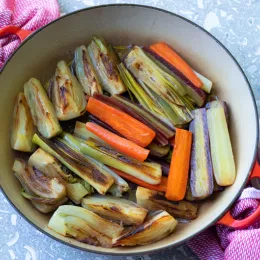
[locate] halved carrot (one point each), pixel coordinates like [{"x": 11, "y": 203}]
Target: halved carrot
[
  {"x": 123, "y": 145},
  {"x": 166, "y": 52},
  {"x": 179, "y": 168},
  {"x": 162, "y": 186},
  {"x": 126, "y": 125}
]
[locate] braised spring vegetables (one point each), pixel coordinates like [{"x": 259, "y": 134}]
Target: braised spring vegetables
[{"x": 142, "y": 148}]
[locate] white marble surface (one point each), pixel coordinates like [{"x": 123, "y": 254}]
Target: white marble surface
[{"x": 236, "y": 23}]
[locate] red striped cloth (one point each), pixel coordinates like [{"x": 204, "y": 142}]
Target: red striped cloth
[
  {"x": 220, "y": 242},
  {"x": 26, "y": 14}
]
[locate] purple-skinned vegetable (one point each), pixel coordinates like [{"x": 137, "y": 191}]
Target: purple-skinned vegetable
[
  {"x": 198, "y": 95},
  {"x": 201, "y": 173}
]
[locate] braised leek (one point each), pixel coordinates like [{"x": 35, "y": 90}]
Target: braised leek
[
  {"x": 145, "y": 171},
  {"x": 51, "y": 167},
  {"x": 77, "y": 163},
  {"x": 82, "y": 132},
  {"x": 165, "y": 92},
  {"x": 103, "y": 62},
  {"x": 85, "y": 72}
]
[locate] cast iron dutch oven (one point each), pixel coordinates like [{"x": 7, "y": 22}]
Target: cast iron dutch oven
[{"x": 142, "y": 25}]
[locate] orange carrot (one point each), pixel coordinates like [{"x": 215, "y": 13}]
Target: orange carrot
[
  {"x": 179, "y": 168},
  {"x": 124, "y": 124},
  {"x": 164, "y": 50},
  {"x": 162, "y": 186},
  {"x": 123, "y": 145}
]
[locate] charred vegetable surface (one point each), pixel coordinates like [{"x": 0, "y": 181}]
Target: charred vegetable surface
[
  {"x": 84, "y": 225},
  {"x": 117, "y": 209},
  {"x": 39, "y": 189},
  {"x": 103, "y": 61},
  {"x": 138, "y": 148},
  {"x": 148, "y": 172},
  {"x": 67, "y": 94},
  {"x": 76, "y": 188},
  {"x": 153, "y": 200},
  {"x": 76, "y": 162},
  {"x": 85, "y": 72},
  {"x": 22, "y": 127},
  {"x": 41, "y": 109},
  {"x": 158, "y": 225}
]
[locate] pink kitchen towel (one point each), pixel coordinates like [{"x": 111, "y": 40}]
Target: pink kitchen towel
[
  {"x": 220, "y": 242},
  {"x": 26, "y": 14}
]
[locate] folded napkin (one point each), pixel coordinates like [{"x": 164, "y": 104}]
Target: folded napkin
[
  {"x": 220, "y": 242},
  {"x": 26, "y": 14}
]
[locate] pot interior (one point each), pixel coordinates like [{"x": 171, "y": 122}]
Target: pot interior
[{"x": 126, "y": 24}]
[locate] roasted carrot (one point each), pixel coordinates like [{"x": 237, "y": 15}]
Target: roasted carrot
[
  {"x": 162, "y": 186},
  {"x": 179, "y": 168},
  {"x": 164, "y": 50},
  {"x": 121, "y": 144},
  {"x": 126, "y": 125}
]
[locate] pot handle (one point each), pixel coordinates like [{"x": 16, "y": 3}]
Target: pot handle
[
  {"x": 229, "y": 221},
  {"x": 21, "y": 33}
]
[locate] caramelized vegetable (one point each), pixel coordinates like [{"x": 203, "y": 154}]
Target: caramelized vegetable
[
  {"x": 67, "y": 94},
  {"x": 153, "y": 200},
  {"x": 103, "y": 226},
  {"x": 77, "y": 163},
  {"x": 41, "y": 109},
  {"x": 22, "y": 127},
  {"x": 167, "y": 95},
  {"x": 37, "y": 183},
  {"x": 118, "y": 187},
  {"x": 76, "y": 188},
  {"x": 103, "y": 61},
  {"x": 117, "y": 209},
  {"x": 190, "y": 91},
  {"x": 158, "y": 225},
  {"x": 150, "y": 173},
  {"x": 79, "y": 229},
  {"x": 85, "y": 72}
]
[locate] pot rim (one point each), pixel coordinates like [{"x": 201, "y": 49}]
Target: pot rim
[{"x": 156, "y": 250}]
